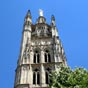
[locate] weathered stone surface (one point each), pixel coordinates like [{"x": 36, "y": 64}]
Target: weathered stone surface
[{"x": 41, "y": 52}]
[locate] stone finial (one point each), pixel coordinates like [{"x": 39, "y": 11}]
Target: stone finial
[{"x": 52, "y": 17}]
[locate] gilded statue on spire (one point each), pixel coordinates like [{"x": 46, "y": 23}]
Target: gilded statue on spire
[{"x": 40, "y": 12}]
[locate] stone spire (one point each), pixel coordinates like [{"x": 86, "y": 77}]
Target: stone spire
[{"x": 28, "y": 18}]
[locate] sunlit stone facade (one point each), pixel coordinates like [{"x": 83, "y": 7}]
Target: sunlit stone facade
[{"x": 41, "y": 53}]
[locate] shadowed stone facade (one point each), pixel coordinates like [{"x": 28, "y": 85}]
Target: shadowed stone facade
[{"x": 41, "y": 53}]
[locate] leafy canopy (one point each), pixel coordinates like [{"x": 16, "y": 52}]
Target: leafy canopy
[{"x": 65, "y": 77}]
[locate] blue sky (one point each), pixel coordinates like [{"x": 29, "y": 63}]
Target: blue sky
[{"x": 71, "y": 20}]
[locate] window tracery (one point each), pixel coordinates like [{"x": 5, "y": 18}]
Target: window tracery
[
  {"x": 47, "y": 56},
  {"x": 36, "y": 56}
]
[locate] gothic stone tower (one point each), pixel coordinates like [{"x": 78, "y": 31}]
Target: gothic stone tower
[{"x": 41, "y": 52}]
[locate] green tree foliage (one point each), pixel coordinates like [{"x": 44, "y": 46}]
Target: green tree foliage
[{"x": 65, "y": 77}]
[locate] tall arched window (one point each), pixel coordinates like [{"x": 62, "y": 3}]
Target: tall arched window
[
  {"x": 36, "y": 57},
  {"x": 36, "y": 77},
  {"x": 47, "y": 56},
  {"x": 48, "y": 70}
]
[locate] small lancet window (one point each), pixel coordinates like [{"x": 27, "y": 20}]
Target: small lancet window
[
  {"x": 34, "y": 77},
  {"x": 34, "y": 58},
  {"x": 49, "y": 59},
  {"x": 45, "y": 57},
  {"x": 47, "y": 78},
  {"x": 38, "y": 78}
]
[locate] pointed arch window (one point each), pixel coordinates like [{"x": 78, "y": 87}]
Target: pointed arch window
[
  {"x": 36, "y": 77},
  {"x": 48, "y": 70},
  {"x": 47, "y": 56},
  {"x": 36, "y": 57}
]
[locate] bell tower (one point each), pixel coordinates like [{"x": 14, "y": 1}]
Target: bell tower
[{"x": 41, "y": 52}]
